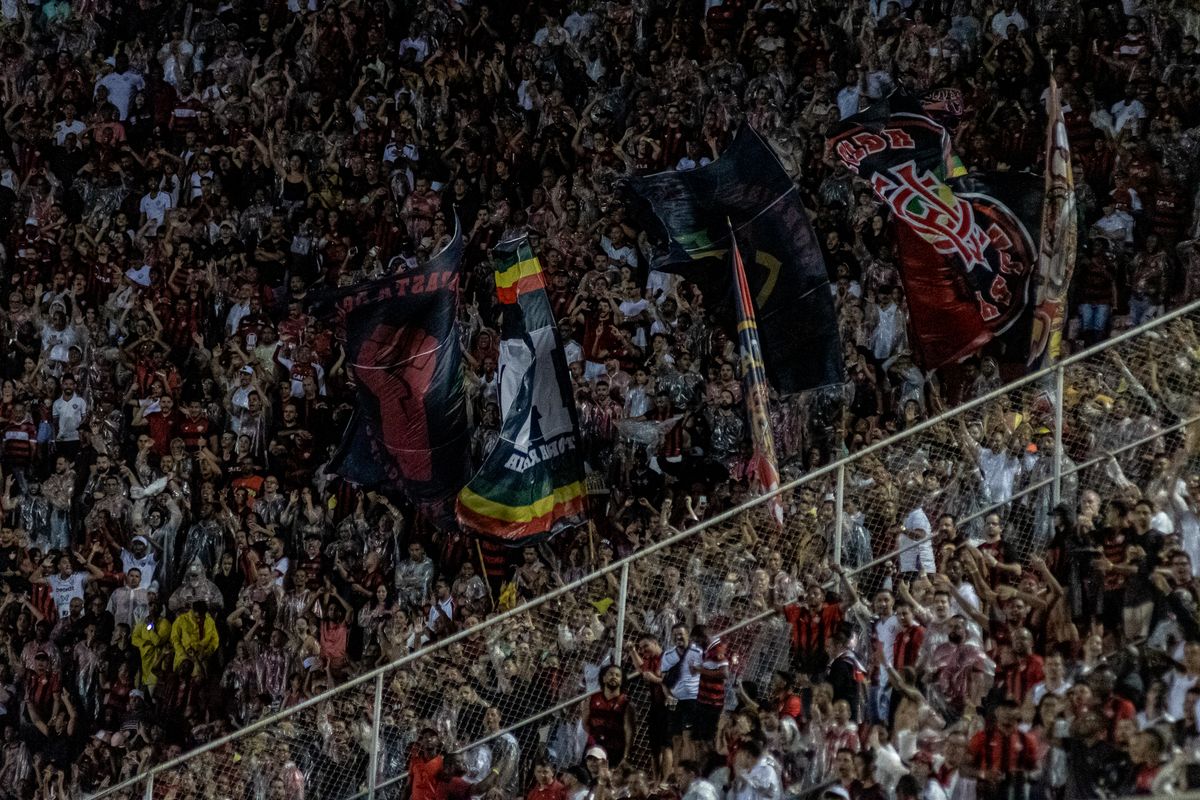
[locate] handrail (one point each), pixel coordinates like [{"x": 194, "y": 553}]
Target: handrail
[{"x": 675, "y": 538}]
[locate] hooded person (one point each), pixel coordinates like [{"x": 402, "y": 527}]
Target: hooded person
[{"x": 195, "y": 587}]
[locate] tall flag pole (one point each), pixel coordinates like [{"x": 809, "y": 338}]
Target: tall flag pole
[
  {"x": 763, "y": 461},
  {"x": 1056, "y": 251}
]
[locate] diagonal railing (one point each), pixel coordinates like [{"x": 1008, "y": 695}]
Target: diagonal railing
[{"x": 536, "y": 663}]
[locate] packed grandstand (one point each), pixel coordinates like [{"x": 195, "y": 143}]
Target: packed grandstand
[{"x": 599, "y": 400}]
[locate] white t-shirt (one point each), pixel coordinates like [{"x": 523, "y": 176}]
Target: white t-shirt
[
  {"x": 847, "y": 101},
  {"x": 62, "y": 128},
  {"x": 66, "y": 589},
  {"x": 687, "y": 686},
  {"x": 886, "y": 631},
  {"x": 121, "y": 88},
  {"x": 155, "y": 206},
  {"x": 1002, "y": 20},
  {"x": 69, "y": 414},
  {"x": 146, "y": 565},
  {"x": 1178, "y": 684},
  {"x": 760, "y": 783},
  {"x": 1040, "y": 690}
]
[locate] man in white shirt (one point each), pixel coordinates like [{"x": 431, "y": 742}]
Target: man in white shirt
[
  {"x": 239, "y": 309},
  {"x": 67, "y": 584},
  {"x": 1055, "y": 681},
  {"x": 154, "y": 203},
  {"x": 617, "y": 248},
  {"x": 755, "y": 777},
  {"x": 1009, "y": 15},
  {"x": 679, "y": 665},
  {"x": 695, "y": 787},
  {"x": 129, "y": 604},
  {"x": 1116, "y": 224},
  {"x": 69, "y": 411},
  {"x": 67, "y": 125},
  {"x": 850, "y": 95},
  {"x": 139, "y": 557},
  {"x": 122, "y": 83},
  {"x": 579, "y": 23},
  {"x": 1180, "y": 682},
  {"x": 1128, "y": 112},
  {"x": 998, "y": 466},
  {"x": 416, "y": 43},
  {"x": 176, "y": 58}
]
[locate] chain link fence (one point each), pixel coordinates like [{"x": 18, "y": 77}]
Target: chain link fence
[{"x": 512, "y": 689}]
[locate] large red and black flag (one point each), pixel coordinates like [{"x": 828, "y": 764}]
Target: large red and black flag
[
  {"x": 967, "y": 245},
  {"x": 409, "y": 428},
  {"x": 690, "y": 213},
  {"x": 532, "y": 484}
]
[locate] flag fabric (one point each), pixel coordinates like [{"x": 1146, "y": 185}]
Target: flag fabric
[
  {"x": 531, "y": 485},
  {"x": 409, "y": 430},
  {"x": 691, "y": 212},
  {"x": 966, "y": 256},
  {"x": 762, "y": 466},
  {"x": 1059, "y": 234}
]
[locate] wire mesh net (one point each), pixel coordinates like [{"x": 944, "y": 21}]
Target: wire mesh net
[{"x": 515, "y": 689}]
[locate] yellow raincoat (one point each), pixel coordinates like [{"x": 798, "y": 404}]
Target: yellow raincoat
[{"x": 194, "y": 639}]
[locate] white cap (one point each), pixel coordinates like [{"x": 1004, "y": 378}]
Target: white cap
[
  {"x": 916, "y": 521},
  {"x": 598, "y": 752}
]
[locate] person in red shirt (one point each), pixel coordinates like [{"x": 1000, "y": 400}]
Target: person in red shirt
[
  {"x": 453, "y": 785},
  {"x": 1112, "y": 706},
  {"x": 648, "y": 660},
  {"x": 608, "y": 717},
  {"x": 425, "y": 767},
  {"x": 1146, "y": 750},
  {"x": 162, "y": 422},
  {"x": 1024, "y": 669},
  {"x": 193, "y": 427},
  {"x": 1002, "y": 754},
  {"x": 20, "y": 443},
  {"x": 909, "y": 639},
  {"x": 545, "y": 787}
]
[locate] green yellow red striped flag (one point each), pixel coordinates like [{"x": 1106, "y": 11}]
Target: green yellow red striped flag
[{"x": 531, "y": 485}]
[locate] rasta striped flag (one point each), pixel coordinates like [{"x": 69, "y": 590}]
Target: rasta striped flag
[
  {"x": 763, "y": 461},
  {"x": 531, "y": 484}
]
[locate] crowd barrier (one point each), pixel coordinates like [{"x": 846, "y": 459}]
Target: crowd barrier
[{"x": 1098, "y": 419}]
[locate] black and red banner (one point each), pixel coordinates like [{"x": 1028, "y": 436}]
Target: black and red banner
[
  {"x": 694, "y": 214},
  {"x": 967, "y": 245},
  {"x": 409, "y": 429}
]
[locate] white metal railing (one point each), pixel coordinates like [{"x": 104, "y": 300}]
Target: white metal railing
[{"x": 1137, "y": 342}]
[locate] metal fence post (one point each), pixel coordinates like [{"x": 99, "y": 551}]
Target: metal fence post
[
  {"x": 622, "y": 601},
  {"x": 1059, "y": 386},
  {"x": 148, "y": 794},
  {"x": 376, "y": 723},
  {"x": 839, "y": 513}
]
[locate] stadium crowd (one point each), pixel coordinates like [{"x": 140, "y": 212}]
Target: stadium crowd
[{"x": 177, "y": 180}]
